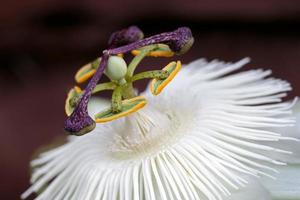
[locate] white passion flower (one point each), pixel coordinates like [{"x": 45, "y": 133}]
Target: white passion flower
[{"x": 201, "y": 138}]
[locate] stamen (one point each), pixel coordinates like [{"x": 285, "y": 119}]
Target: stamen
[
  {"x": 87, "y": 71},
  {"x": 157, "y": 74},
  {"x": 162, "y": 50},
  {"x": 128, "y": 106},
  {"x": 157, "y": 85}
]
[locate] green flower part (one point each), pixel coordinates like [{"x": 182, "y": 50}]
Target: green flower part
[
  {"x": 116, "y": 68},
  {"x": 128, "y": 106},
  {"x": 157, "y": 85},
  {"x": 72, "y": 99}
]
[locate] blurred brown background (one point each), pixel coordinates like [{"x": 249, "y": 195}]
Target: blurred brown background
[{"x": 43, "y": 42}]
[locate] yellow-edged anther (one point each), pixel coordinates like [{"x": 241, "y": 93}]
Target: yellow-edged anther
[
  {"x": 87, "y": 71},
  {"x": 162, "y": 54},
  {"x": 128, "y": 106},
  {"x": 157, "y": 85},
  {"x": 75, "y": 92},
  {"x": 84, "y": 73},
  {"x": 121, "y": 55},
  {"x": 155, "y": 53},
  {"x": 78, "y": 89},
  {"x": 161, "y": 51}
]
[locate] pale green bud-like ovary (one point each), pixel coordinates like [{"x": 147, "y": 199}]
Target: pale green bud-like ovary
[{"x": 116, "y": 68}]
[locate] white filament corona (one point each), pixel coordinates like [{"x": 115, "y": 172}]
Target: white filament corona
[{"x": 197, "y": 140}]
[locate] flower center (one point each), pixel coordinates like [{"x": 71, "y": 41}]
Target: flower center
[
  {"x": 143, "y": 132},
  {"x": 124, "y": 100}
]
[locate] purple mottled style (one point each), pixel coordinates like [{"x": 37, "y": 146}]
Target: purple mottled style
[
  {"x": 80, "y": 121},
  {"x": 179, "y": 41},
  {"x": 183, "y": 43},
  {"x": 125, "y": 36}
]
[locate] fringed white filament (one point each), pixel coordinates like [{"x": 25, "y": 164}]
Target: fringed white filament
[{"x": 208, "y": 130}]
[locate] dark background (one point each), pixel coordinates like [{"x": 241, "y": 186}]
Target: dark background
[{"x": 43, "y": 42}]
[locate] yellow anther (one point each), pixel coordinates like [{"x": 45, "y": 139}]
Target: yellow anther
[
  {"x": 77, "y": 89},
  {"x": 74, "y": 92},
  {"x": 162, "y": 54},
  {"x": 155, "y": 53},
  {"x": 161, "y": 51},
  {"x": 87, "y": 71},
  {"x": 128, "y": 106},
  {"x": 84, "y": 73},
  {"x": 157, "y": 85}
]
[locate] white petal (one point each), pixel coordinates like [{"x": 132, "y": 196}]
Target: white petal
[
  {"x": 253, "y": 191},
  {"x": 295, "y": 130},
  {"x": 291, "y": 140},
  {"x": 287, "y": 185}
]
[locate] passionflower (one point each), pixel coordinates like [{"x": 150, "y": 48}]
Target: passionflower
[{"x": 204, "y": 134}]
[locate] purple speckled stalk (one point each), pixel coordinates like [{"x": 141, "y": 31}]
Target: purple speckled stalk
[
  {"x": 80, "y": 122},
  {"x": 179, "y": 41}
]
